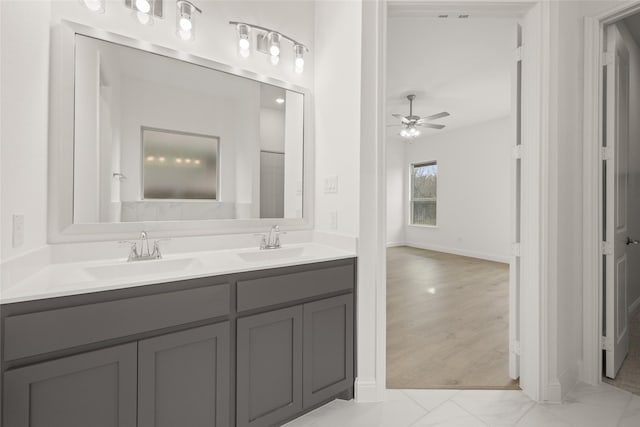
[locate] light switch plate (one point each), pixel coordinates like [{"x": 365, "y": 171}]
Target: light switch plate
[
  {"x": 331, "y": 184},
  {"x": 18, "y": 230}
]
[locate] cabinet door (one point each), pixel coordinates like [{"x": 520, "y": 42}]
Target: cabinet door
[
  {"x": 269, "y": 388},
  {"x": 328, "y": 348},
  {"x": 183, "y": 378},
  {"x": 96, "y": 389}
]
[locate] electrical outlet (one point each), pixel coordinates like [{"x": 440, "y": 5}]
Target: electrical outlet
[
  {"x": 18, "y": 230},
  {"x": 333, "y": 220}
]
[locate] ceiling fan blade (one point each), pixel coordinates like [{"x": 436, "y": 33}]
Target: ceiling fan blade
[
  {"x": 435, "y": 116},
  {"x": 431, "y": 125},
  {"x": 401, "y": 117}
]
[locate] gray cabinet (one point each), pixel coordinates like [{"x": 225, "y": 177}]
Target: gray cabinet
[
  {"x": 183, "y": 378},
  {"x": 96, "y": 389},
  {"x": 269, "y": 369},
  {"x": 328, "y": 348}
]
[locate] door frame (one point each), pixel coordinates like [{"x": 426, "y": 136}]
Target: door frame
[
  {"x": 538, "y": 323},
  {"x": 591, "y": 371}
]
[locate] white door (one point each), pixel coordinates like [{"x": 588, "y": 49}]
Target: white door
[
  {"x": 615, "y": 174},
  {"x": 516, "y": 203}
]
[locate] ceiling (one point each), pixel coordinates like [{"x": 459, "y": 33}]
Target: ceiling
[{"x": 462, "y": 66}]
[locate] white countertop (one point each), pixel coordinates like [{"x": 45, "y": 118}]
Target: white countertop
[{"x": 73, "y": 278}]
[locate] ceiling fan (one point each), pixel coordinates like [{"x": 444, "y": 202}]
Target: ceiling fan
[{"x": 411, "y": 123}]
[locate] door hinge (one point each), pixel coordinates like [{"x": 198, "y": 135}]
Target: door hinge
[
  {"x": 606, "y": 153},
  {"x": 517, "y": 152},
  {"x": 515, "y": 249},
  {"x": 514, "y": 347},
  {"x": 607, "y": 58},
  {"x": 606, "y": 343},
  {"x": 517, "y": 54},
  {"x": 606, "y": 248}
]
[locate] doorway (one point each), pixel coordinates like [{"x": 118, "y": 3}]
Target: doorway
[
  {"x": 453, "y": 201},
  {"x": 611, "y": 195},
  {"x": 620, "y": 203}
]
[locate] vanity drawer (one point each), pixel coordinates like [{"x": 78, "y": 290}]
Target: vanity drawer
[
  {"x": 267, "y": 291},
  {"x": 45, "y": 331}
]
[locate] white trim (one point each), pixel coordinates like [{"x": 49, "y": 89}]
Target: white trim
[
  {"x": 371, "y": 313},
  {"x": 61, "y": 151},
  {"x": 535, "y": 233},
  {"x": 396, "y": 244},
  {"x": 591, "y": 366},
  {"x": 366, "y": 390},
  {"x": 506, "y": 259}
]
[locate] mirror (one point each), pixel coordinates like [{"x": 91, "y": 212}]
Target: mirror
[{"x": 157, "y": 138}]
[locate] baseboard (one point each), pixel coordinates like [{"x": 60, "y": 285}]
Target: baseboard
[
  {"x": 366, "y": 391},
  {"x": 461, "y": 252},
  {"x": 634, "y": 307},
  {"x": 395, "y": 244}
]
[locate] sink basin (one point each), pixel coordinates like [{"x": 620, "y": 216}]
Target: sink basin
[
  {"x": 141, "y": 268},
  {"x": 271, "y": 254}
]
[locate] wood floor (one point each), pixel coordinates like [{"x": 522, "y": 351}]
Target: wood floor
[
  {"x": 447, "y": 321},
  {"x": 628, "y": 377}
]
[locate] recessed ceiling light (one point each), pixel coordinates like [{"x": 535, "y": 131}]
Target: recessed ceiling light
[{"x": 280, "y": 100}]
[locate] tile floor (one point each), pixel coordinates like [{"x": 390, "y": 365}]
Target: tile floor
[{"x": 585, "y": 406}]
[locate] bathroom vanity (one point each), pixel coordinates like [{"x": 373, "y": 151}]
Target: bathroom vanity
[{"x": 253, "y": 348}]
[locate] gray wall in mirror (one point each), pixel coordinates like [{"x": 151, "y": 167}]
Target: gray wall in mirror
[{"x": 120, "y": 91}]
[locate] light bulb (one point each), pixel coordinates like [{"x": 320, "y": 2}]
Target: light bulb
[
  {"x": 95, "y": 5},
  {"x": 185, "y": 24},
  {"x": 244, "y": 44},
  {"x": 274, "y": 45},
  {"x": 280, "y": 100},
  {"x": 143, "y": 6},
  {"x": 298, "y": 51}
]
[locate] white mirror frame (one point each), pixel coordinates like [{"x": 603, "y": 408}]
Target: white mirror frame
[{"x": 61, "y": 151}]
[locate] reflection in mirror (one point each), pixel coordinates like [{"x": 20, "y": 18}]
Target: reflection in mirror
[{"x": 160, "y": 139}]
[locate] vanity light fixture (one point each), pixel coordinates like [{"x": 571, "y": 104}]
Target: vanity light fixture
[
  {"x": 244, "y": 45},
  {"x": 268, "y": 41},
  {"x": 96, "y": 6},
  {"x": 145, "y": 10},
  {"x": 298, "y": 64},
  {"x": 185, "y": 19}
]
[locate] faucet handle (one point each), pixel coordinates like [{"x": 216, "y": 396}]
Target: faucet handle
[{"x": 134, "y": 249}]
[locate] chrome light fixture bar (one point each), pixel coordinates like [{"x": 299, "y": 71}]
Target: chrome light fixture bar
[{"x": 268, "y": 41}]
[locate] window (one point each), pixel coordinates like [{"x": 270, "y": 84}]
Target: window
[
  {"x": 424, "y": 180},
  {"x": 179, "y": 165}
]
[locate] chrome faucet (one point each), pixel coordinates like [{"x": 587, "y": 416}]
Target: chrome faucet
[
  {"x": 144, "y": 253},
  {"x": 271, "y": 240}
]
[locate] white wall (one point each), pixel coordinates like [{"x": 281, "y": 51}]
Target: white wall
[
  {"x": 633, "y": 252},
  {"x": 23, "y": 136},
  {"x": 473, "y": 202},
  {"x": 337, "y": 112},
  {"x": 25, "y": 78},
  {"x": 396, "y": 200}
]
